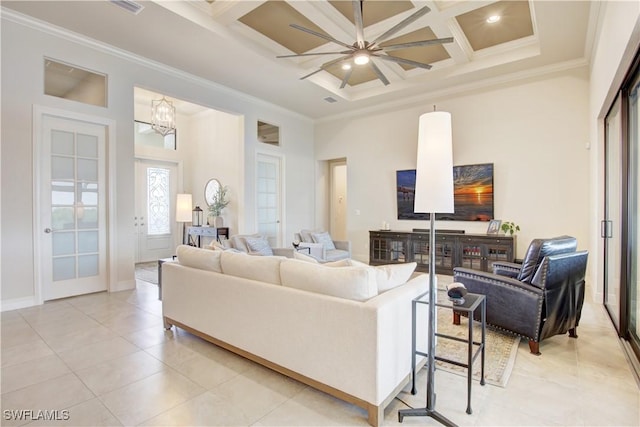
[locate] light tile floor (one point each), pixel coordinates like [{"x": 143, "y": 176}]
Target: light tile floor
[{"x": 107, "y": 360}]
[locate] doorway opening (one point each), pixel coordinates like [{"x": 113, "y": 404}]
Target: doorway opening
[{"x": 338, "y": 198}]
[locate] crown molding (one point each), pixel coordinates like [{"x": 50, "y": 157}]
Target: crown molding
[{"x": 63, "y": 33}]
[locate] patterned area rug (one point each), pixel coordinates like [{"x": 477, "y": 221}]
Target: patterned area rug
[
  {"x": 500, "y": 350},
  {"x": 147, "y": 271}
]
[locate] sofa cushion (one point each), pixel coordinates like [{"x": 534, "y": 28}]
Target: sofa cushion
[
  {"x": 203, "y": 259},
  {"x": 258, "y": 246},
  {"x": 260, "y": 268},
  {"x": 339, "y": 263},
  {"x": 303, "y": 257},
  {"x": 355, "y": 283},
  {"x": 325, "y": 239}
]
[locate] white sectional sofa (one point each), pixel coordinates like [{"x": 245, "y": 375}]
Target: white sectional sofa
[{"x": 329, "y": 327}]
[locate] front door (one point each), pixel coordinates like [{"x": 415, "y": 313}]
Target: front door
[
  {"x": 154, "y": 221},
  {"x": 72, "y": 207}
]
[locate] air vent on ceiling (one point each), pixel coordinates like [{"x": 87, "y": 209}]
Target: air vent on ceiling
[
  {"x": 330, "y": 99},
  {"x": 128, "y": 5}
]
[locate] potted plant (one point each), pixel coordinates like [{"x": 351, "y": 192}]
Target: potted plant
[
  {"x": 510, "y": 227},
  {"x": 220, "y": 201}
]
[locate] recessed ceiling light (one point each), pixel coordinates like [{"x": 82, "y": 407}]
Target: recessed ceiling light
[
  {"x": 346, "y": 66},
  {"x": 493, "y": 19}
]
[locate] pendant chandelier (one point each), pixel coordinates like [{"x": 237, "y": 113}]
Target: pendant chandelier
[{"x": 163, "y": 116}]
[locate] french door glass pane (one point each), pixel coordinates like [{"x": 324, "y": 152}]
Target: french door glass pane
[
  {"x": 158, "y": 203},
  {"x": 74, "y": 205}
]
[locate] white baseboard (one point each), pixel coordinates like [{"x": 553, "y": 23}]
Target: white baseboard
[
  {"x": 123, "y": 285},
  {"x": 16, "y": 303}
]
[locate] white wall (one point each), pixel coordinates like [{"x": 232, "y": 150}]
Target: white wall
[
  {"x": 24, "y": 45},
  {"x": 534, "y": 132},
  {"x": 618, "y": 41}
]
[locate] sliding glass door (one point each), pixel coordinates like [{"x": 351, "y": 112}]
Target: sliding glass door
[{"x": 633, "y": 255}]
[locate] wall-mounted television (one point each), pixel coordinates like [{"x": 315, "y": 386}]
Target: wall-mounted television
[{"x": 472, "y": 194}]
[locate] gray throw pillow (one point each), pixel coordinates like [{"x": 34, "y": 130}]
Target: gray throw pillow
[
  {"x": 325, "y": 239},
  {"x": 258, "y": 246}
]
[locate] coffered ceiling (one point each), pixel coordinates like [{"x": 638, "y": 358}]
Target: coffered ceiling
[{"x": 236, "y": 43}]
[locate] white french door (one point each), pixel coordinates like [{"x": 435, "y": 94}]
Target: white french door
[
  {"x": 269, "y": 198},
  {"x": 72, "y": 207},
  {"x": 154, "y": 221}
]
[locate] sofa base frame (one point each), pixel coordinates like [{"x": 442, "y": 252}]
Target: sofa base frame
[{"x": 375, "y": 413}]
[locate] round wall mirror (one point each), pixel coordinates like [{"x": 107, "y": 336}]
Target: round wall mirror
[{"x": 210, "y": 190}]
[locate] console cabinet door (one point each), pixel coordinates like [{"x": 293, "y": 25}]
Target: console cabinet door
[{"x": 387, "y": 248}]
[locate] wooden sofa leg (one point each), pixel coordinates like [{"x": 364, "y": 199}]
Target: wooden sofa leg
[
  {"x": 456, "y": 318},
  {"x": 534, "y": 347},
  {"x": 573, "y": 333}
]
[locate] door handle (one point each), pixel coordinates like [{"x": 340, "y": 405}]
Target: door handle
[{"x": 47, "y": 230}]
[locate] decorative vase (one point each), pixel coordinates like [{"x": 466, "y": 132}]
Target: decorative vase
[
  {"x": 218, "y": 221},
  {"x": 211, "y": 220}
]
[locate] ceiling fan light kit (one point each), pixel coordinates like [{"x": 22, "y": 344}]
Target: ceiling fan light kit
[{"x": 363, "y": 52}]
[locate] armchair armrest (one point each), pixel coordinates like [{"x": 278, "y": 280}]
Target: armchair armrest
[
  {"x": 508, "y": 269},
  {"x": 286, "y": 252},
  {"x": 344, "y": 245},
  {"x": 316, "y": 250},
  {"x": 511, "y": 304}
]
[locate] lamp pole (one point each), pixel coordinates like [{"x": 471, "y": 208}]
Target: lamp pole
[{"x": 433, "y": 193}]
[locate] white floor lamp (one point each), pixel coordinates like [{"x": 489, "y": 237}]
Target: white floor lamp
[
  {"x": 433, "y": 193},
  {"x": 183, "y": 212}
]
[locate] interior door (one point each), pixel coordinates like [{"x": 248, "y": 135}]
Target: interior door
[
  {"x": 611, "y": 225},
  {"x": 268, "y": 203},
  {"x": 155, "y": 217},
  {"x": 72, "y": 207}
]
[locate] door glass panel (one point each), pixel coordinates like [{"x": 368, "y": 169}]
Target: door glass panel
[
  {"x": 87, "y": 217},
  {"x": 87, "y": 241},
  {"x": 87, "y": 145},
  {"x": 62, "y": 142},
  {"x": 64, "y": 268},
  {"x": 62, "y": 218},
  {"x": 64, "y": 243},
  {"x": 158, "y": 203},
  {"x": 62, "y": 193},
  {"x": 613, "y": 212},
  {"x": 62, "y": 167},
  {"x": 88, "y": 193},
  {"x": 88, "y": 265},
  {"x": 87, "y": 170}
]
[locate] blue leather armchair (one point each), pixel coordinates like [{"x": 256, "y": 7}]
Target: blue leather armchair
[{"x": 537, "y": 299}]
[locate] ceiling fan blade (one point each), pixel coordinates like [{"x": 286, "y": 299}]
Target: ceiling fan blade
[
  {"x": 400, "y": 25},
  {"x": 346, "y": 78},
  {"x": 312, "y": 54},
  {"x": 381, "y": 76},
  {"x": 327, "y": 65},
  {"x": 417, "y": 43},
  {"x": 357, "y": 18},
  {"x": 403, "y": 61},
  {"x": 322, "y": 36}
]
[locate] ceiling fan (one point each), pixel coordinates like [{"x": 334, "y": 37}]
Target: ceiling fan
[{"x": 362, "y": 51}]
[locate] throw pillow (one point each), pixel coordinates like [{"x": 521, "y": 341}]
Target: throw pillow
[
  {"x": 339, "y": 263},
  {"x": 389, "y": 276},
  {"x": 258, "y": 246},
  {"x": 325, "y": 239},
  {"x": 305, "y": 235},
  {"x": 303, "y": 257},
  {"x": 354, "y": 283},
  {"x": 392, "y": 275},
  {"x": 203, "y": 259}
]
